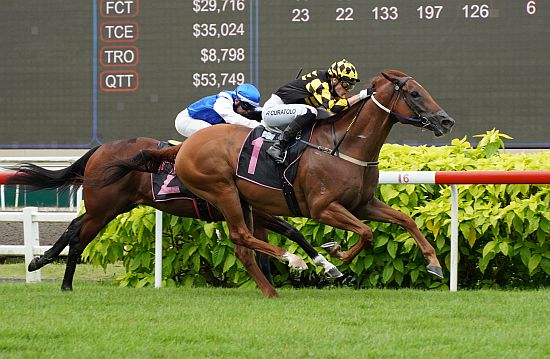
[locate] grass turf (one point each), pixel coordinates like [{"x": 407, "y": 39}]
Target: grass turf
[{"x": 100, "y": 320}]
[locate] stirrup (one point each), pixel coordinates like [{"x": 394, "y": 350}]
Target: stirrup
[
  {"x": 174, "y": 142},
  {"x": 280, "y": 158},
  {"x": 275, "y": 151},
  {"x": 281, "y": 161}
]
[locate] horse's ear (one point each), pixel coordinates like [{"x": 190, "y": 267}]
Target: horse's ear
[
  {"x": 391, "y": 78},
  {"x": 398, "y": 81}
]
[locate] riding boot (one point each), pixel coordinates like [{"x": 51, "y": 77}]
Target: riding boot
[{"x": 278, "y": 149}]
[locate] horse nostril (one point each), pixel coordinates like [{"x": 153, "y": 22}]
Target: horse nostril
[{"x": 448, "y": 122}]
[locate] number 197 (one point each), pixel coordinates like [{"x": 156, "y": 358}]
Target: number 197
[{"x": 429, "y": 12}]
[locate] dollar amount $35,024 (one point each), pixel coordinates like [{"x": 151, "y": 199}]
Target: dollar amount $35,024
[
  {"x": 218, "y": 30},
  {"x": 218, "y": 79}
]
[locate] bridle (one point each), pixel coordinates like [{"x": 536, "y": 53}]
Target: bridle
[
  {"x": 419, "y": 119},
  {"x": 422, "y": 121}
]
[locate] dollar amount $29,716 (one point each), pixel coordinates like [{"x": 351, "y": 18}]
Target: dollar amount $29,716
[
  {"x": 218, "y": 79},
  {"x": 218, "y": 6}
]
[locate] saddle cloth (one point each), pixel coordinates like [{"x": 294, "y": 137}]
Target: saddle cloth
[
  {"x": 166, "y": 186},
  {"x": 256, "y": 166}
]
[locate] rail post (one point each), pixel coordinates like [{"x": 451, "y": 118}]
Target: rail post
[
  {"x": 30, "y": 238},
  {"x": 3, "y": 196},
  {"x": 454, "y": 239},
  {"x": 158, "y": 248}
]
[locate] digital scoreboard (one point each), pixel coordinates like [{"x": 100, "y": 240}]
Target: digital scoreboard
[{"x": 78, "y": 73}]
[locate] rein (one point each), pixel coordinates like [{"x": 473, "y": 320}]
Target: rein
[{"x": 334, "y": 152}]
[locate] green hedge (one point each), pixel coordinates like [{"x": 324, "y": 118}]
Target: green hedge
[{"x": 504, "y": 232}]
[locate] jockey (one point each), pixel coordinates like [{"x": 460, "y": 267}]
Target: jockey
[
  {"x": 225, "y": 107},
  {"x": 295, "y": 105}
]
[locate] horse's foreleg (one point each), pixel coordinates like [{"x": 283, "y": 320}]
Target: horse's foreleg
[
  {"x": 338, "y": 216},
  {"x": 246, "y": 256},
  {"x": 51, "y": 254},
  {"x": 381, "y": 212}
]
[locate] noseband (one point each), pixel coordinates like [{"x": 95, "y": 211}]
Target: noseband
[{"x": 421, "y": 120}]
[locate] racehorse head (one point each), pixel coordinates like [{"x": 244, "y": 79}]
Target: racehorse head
[{"x": 409, "y": 103}]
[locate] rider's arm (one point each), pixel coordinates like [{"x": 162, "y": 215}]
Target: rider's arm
[{"x": 224, "y": 107}]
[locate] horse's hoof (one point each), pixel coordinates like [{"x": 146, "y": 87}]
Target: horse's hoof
[
  {"x": 34, "y": 265},
  {"x": 38, "y": 262},
  {"x": 435, "y": 270},
  {"x": 333, "y": 273},
  {"x": 66, "y": 288},
  {"x": 294, "y": 262},
  {"x": 331, "y": 247}
]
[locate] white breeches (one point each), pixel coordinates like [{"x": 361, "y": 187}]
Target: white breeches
[
  {"x": 277, "y": 114},
  {"x": 187, "y": 125}
]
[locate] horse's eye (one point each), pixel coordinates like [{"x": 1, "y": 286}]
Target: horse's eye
[{"x": 415, "y": 94}]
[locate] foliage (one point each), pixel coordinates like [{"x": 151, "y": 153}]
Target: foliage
[{"x": 504, "y": 232}]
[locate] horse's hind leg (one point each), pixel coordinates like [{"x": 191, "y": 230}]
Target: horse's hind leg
[
  {"x": 51, "y": 254},
  {"x": 89, "y": 228},
  {"x": 278, "y": 225},
  {"x": 262, "y": 260},
  {"x": 227, "y": 201},
  {"x": 246, "y": 256}
]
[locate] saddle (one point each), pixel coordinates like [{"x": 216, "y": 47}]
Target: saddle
[
  {"x": 256, "y": 166},
  {"x": 166, "y": 186}
]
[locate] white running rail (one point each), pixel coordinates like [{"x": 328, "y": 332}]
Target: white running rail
[{"x": 31, "y": 245}]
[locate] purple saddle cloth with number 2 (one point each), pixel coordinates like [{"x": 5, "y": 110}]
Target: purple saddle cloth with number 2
[
  {"x": 166, "y": 187},
  {"x": 256, "y": 166}
]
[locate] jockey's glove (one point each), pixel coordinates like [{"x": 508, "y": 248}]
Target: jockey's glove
[{"x": 363, "y": 94}]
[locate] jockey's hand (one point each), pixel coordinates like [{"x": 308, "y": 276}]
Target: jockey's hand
[{"x": 363, "y": 94}]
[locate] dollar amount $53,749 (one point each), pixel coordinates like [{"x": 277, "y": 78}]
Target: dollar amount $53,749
[{"x": 218, "y": 79}]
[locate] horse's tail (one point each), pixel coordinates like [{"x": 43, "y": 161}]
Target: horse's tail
[
  {"x": 36, "y": 178},
  {"x": 149, "y": 161}
]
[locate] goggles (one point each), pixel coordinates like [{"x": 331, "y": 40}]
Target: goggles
[
  {"x": 246, "y": 106},
  {"x": 347, "y": 85}
]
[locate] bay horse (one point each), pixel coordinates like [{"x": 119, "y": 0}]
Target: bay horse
[
  {"x": 104, "y": 204},
  {"x": 334, "y": 187}
]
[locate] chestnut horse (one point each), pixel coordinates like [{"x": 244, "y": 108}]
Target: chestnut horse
[
  {"x": 336, "y": 188},
  {"x": 104, "y": 204}
]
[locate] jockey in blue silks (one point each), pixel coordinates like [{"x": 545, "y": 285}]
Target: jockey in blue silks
[{"x": 225, "y": 107}]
